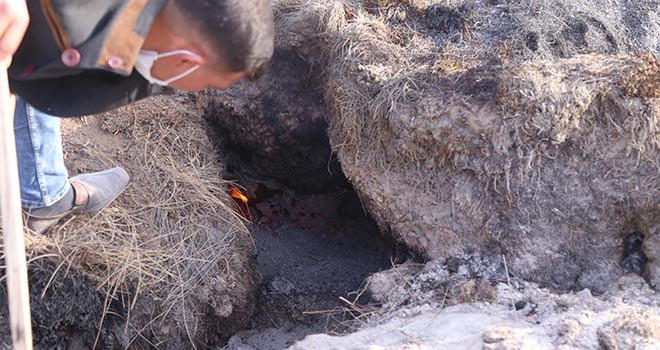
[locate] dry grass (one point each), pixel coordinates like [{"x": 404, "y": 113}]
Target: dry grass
[
  {"x": 553, "y": 99},
  {"x": 382, "y": 59},
  {"x": 412, "y": 85},
  {"x": 170, "y": 232}
]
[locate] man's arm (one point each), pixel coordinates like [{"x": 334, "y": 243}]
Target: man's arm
[{"x": 14, "y": 19}]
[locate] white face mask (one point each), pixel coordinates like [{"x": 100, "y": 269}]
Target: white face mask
[{"x": 146, "y": 59}]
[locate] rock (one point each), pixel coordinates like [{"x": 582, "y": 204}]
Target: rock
[
  {"x": 631, "y": 330},
  {"x": 383, "y": 285},
  {"x": 505, "y": 337},
  {"x": 617, "y": 319},
  {"x": 426, "y": 331},
  {"x": 433, "y": 284}
]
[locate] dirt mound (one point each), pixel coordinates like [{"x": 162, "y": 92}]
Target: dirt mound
[
  {"x": 496, "y": 127},
  {"x": 168, "y": 263}
]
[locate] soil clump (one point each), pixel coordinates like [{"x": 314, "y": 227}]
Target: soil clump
[
  {"x": 525, "y": 130},
  {"x": 513, "y": 145}
]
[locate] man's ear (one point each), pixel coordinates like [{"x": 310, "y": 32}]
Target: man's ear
[{"x": 192, "y": 57}]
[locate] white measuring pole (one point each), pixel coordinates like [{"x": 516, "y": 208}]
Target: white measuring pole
[{"x": 12, "y": 223}]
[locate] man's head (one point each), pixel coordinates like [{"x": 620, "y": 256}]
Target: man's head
[{"x": 227, "y": 39}]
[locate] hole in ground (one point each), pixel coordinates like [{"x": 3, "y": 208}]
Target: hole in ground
[
  {"x": 315, "y": 242},
  {"x": 312, "y": 250},
  {"x": 634, "y": 259}
]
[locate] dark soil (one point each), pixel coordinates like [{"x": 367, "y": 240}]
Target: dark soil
[
  {"x": 275, "y": 128},
  {"x": 311, "y": 250},
  {"x": 66, "y": 312}
]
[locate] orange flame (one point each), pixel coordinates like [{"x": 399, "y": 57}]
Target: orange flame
[{"x": 236, "y": 194}]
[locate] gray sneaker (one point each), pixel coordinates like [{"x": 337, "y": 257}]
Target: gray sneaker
[{"x": 93, "y": 192}]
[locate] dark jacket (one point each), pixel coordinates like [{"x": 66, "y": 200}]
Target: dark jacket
[{"x": 77, "y": 56}]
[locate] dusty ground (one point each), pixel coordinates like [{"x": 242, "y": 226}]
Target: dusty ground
[{"x": 515, "y": 315}]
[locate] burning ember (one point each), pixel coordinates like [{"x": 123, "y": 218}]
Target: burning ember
[
  {"x": 235, "y": 193},
  {"x": 271, "y": 207},
  {"x": 242, "y": 201}
]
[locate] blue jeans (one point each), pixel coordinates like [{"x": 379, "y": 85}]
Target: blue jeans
[{"x": 43, "y": 176}]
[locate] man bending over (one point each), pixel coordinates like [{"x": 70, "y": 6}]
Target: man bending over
[{"x": 82, "y": 57}]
